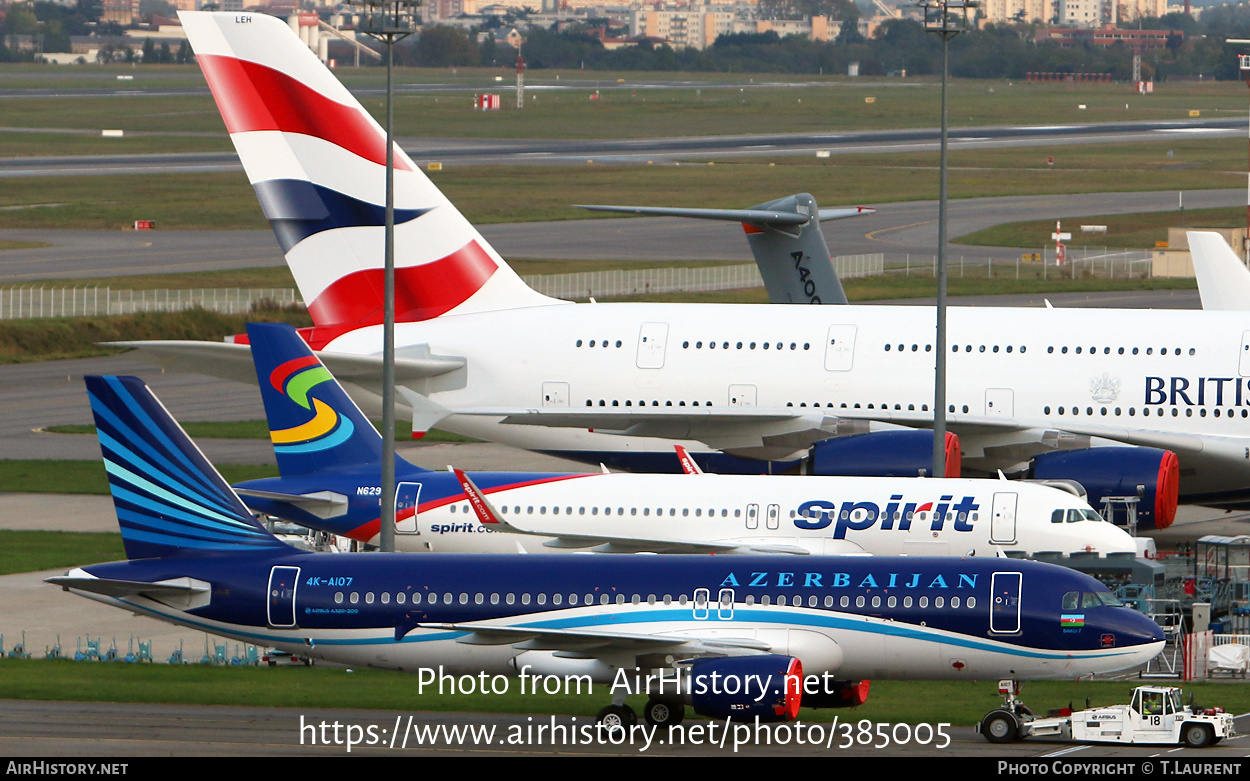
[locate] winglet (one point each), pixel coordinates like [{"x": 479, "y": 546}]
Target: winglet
[
  {"x": 688, "y": 464},
  {"x": 426, "y": 412},
  {"x": 482, "y": 508}
]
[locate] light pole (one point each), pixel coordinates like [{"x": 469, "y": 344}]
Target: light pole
[
  {"x": 947, "y": 18},
  {"x": 1243, "y": 62},
  {"x": 389, "y": 21}
]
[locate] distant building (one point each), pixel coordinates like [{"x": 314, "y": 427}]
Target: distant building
[
  {"x": 1072, "y": 13},
  {"x": 1138, "y": 40},
  {"x": 699, "y": 26},
  {"x": 121, "y": 11}
]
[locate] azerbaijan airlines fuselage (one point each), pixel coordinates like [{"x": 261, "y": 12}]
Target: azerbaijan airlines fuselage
[{"x": 197, "y": 557}]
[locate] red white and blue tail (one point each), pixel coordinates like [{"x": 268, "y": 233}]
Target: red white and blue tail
[{"x": 317, "y": 161}]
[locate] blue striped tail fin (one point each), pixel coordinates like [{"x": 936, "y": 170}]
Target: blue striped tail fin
[{"x": 168, "y": 497}]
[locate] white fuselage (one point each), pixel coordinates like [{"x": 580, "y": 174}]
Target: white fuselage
[
  {"x": 819, "y": 515},
  {"x": 1105, "y": 375}
]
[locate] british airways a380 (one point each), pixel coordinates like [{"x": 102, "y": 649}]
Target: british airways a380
[
  {"x": 329, "y": 456},
  {"x": 198, "y": 558},
  {"x": 1135, "y": 404}
]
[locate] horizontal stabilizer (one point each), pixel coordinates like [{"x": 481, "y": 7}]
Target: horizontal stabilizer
[
  {"x": 182, "y": 592},
  {"x": 234, "y": 361},
  {"x": 323, "y": 504},
  {"x": 761, "y": 217}
]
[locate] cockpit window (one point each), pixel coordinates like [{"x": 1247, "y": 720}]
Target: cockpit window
[
  {"x": 1071, "y": 600},
  {"x": 1056, "y": 516},
  {"x": 1096, "y": 599}
]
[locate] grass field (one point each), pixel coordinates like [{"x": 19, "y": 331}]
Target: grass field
[
  {"x": 721, "y": 104},
  {"x": 38, "y": 476},
  {"x": 225, "y": 200},
  {"x": 1142, "y": 231},
  {"x": 956, "y": 703},
  {"x": 31, "y": 551},
  {"x": 78, "y": 337}
]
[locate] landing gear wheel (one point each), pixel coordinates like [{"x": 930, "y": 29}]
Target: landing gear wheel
[
  {"x": 659, "y": 713},
  {"x": 1198, "y": 735},
  {"x": 1000, "y": 727},
  {"x": 617, "y": 717}
]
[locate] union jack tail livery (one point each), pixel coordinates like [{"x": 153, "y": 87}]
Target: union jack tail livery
[{"x": 317, "y": 161}]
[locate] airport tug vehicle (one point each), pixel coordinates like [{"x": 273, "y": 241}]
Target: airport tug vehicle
[{"x": 1156, "y": 715}]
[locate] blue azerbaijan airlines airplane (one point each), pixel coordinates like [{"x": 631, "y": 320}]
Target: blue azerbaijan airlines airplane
[
  {"x": 1127, "y": 403},
  {"x": 197, "y": 557},
  {"x": 329, "y": 454}
]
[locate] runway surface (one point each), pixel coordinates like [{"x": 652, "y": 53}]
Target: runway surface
[
  {"x": 644, "y": 151},
  {"x": 67, "y": 729}
]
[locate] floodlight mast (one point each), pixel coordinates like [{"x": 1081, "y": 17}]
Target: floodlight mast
[
  {"x": 388, "y": 21},
  {"x": 947, "y": 18},
  {"x": 1243, "y": 61}
]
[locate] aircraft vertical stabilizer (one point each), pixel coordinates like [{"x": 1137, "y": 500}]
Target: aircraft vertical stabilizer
[
  {"x": 317, "y": 161},
  {"x": 168, "y": 497},
  {"x": 1223, "y": 281},
  {"x": 313, "y": 423}
]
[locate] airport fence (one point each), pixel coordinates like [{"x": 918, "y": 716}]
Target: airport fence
[
  {"x": 36, "y": 302},
  {"x": 1081, "y": 262},
  {"x": 691, "y": 279}
]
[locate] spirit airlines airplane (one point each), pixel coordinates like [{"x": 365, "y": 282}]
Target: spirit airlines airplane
[
  {"x": 1110, "y": 399},
  {"x": 196, "y": 557},
  {"x": 329, "y": 456}
]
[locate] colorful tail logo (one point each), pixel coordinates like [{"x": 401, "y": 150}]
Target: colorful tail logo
[
  {"x": 327, "y": 428},
  {"x": 317, "y": 160}
]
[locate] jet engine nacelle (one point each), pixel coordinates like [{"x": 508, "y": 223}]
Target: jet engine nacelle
[
  {"x": 836, "y": 694},
  {"x": 1151, "y": 474},
  {"x": 743, "y": 688},
  {"x": 881, "y": 454}
]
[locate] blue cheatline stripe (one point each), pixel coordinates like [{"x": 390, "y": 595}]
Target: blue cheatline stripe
[
  {"x": 126, "y": 433},
  {"x": 814, "y": 618},
  {"x": 297, "y": 209},
  {"x": 126, "y": 475},
  {"x": 331, "y": 440},
  {"x": 652, "y": 617},
  {"x": 204, "y": 470},
  {"x": 117, "y": 453}
]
